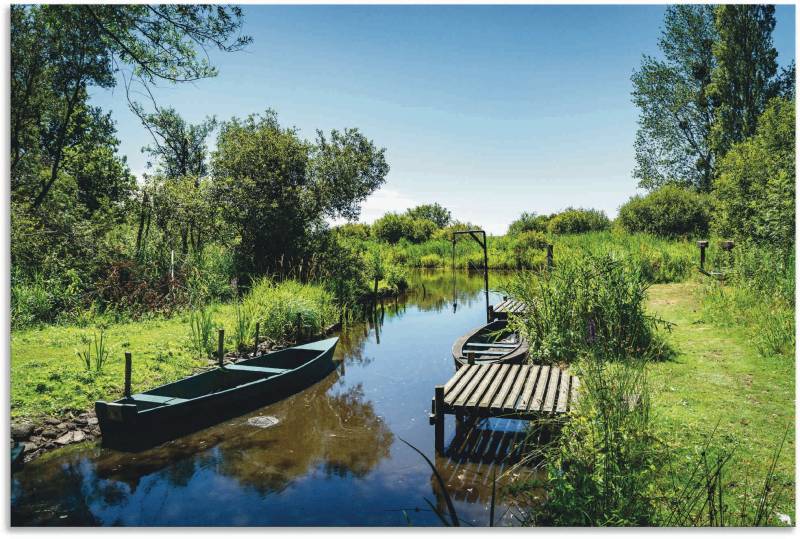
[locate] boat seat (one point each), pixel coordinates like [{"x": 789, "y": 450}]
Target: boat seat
[
  {"x": 479, "y": 353},
  {"x": 263, "y": 370},
  {"x": 158, "y": 399},
  {"x": 492, "y": 345}
]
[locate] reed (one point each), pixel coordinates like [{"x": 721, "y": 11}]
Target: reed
[{"x": 201, "y": 324}]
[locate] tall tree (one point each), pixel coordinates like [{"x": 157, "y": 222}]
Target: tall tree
[
  {"x": 432, "y": 212},
  {"x": 675, "y": 110},
  {"x": 179, "y": 148},
  {"x": 743, "y": 79}
]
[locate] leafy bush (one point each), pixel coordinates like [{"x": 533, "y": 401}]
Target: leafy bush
[
  {"x": 576, "y": 221},
  {"x": 359, "y": 231},
  {"x": 31, "y": 303},
  {"x": 529, "y": 222},
  {"x": 435, "y": 213},
  {"x": 670, "y": 211},
  {"x": 754, "y": 192},
  {"x": 392, "y": 227},
  {"x": 586, "y": 304},
  {"x": 527, "y": 247}
]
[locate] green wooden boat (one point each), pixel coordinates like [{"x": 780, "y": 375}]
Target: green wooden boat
[
  {"x": 171, "y": 410},
  {"x": 493, "y": 343}
]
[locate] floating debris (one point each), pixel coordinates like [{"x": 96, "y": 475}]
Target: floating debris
[{"x": 263, "y": 421}]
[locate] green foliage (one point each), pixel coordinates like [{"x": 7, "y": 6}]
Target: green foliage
[
  {"x": 758, "y": 295},
  {"x": 201, "y": 324},
  {"x": 431, "y": 261},
  {"x": 243, "y": 326},
  {"x": 529, "y": 222},
  {"x": 96, "y": 344},
  {"x": 602, "y": 468},
  {"x": 359, "y": 231},
  {"x": 586, "y": 304},
  {"x": 275, "y": 189},
  {"x": 675, "y": 112},
  {"x": 743, "y": 79},
  {"x": 670, "y": 211},
  {"x": 576, "y": 221},
  {"x": 528, "y": 246},
  {"x": 290, "y": 311},
  {"x": 435, "y": 213},
  {"x": 754, "y": 194}
]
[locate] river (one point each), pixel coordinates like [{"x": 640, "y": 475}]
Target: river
[{"x": 335, "y": 457}]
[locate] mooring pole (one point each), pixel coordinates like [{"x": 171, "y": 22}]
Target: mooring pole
[
  {"x": 128, "y": 362},
  {"x": 702, "y": 244},
  {"x": 255, "y": 349},
  {"x": 438, "y": 398},
  {"x": 221, "y": 348},
  {"x": 486, "y": 279}
]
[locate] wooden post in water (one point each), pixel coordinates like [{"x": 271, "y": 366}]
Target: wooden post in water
[
  {"x": 438, "y": 397},
  {"x": 255, "y": 348},
  {"x": 549, "y": 256},
  {"x": 471, "y": 358},
  {"x": 702, "y": 244},
  {"x": 221, "y": 348},
  {"x": 128, "y": 362}
]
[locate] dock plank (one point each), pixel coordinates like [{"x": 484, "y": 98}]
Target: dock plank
[
  {"x": 527, "y": 391},
  {"x": 462, "y": 383},
  {"x": 477, "y": 395},
  {"x": 516, "y": 389},
  {"x": 563, "y": 393},
  {"x": 454, "y": 380},
  {"x": 487, "y": 399},
  {"x": 541, "y": 386},
  {"x": 552, "y": 389},
  {"x": 473, "y": 383},
  {"x": 497, "y": 403}
]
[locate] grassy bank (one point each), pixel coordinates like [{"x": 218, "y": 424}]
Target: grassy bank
[
  {"x": 49, "y": 378},
  {"x": 719, "y": 376}
]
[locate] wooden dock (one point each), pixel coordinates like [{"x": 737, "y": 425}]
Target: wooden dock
[
  {"x": 506, "y": 307},
  {"x": 511, "y": 391}
]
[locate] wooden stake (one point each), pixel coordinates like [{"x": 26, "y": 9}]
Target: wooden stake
[
  {"x": 128, "y": 362},
  {"x": 438, "y": 392},
  {"x": 702, "y": 244},
  {"x": 221, "y": 348},
  {"x": 255, "y": 349},
  {"x": 549, "y": 256}
]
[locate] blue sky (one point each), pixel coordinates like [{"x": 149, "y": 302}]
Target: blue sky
[{"x": 488, "y": 110}]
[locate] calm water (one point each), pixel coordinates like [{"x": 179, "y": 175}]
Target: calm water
[{"x": 335, "y": 457}]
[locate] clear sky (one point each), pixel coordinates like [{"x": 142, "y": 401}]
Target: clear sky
[{"x": 488, "y": 110}]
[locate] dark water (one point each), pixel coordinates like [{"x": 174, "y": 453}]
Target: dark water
[{"x": 335, "y": 457}]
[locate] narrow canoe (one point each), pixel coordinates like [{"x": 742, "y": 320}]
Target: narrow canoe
[
  {"x": 493, "y": 343},
  {"x": 168, "y": 411}
]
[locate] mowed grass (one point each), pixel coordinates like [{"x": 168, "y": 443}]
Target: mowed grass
[
  {"x": 48, "y": 378},
  {"x": 718, "y": 379}
]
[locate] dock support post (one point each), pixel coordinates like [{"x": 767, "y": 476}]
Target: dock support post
[
  {"x": 128, "y": 362},
  {"x": 702, "y": 244},
  {"x": 221, "y": 348},
  {"x": 439, "y": 420},
  {"x": 549, "y": 256},
  {"x": 491, "y": 313},
  {"x": 255, "y": 348}
]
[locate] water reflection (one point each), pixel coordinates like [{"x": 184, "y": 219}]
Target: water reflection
[{"x": 332, "y": 458}]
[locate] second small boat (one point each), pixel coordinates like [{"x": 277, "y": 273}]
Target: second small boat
[{"x": 493, "y": 343}]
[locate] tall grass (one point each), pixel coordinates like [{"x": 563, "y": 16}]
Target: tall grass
[
  {"x": 757, "y": 293},
  {"x": 95, "y": 355},
  {"x": 243, "y": 325},
  {"x": 201, "y": 324},
  {"x": 586, "y": 304},
  {"x": 290, "y": 311}
]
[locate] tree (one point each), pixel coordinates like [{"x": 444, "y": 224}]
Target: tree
[
  {"x": 743, "y": 79},
  {"x": 432, "y": 212},
  {"x": 754, "y": 195},
  {"x": 529, "y": 222},
  {"x": 277, "y": 188},
  {"x": 670, "y": 211},
  {"x": 675, "y": 110},
  {"x": 179, "y": 147}
]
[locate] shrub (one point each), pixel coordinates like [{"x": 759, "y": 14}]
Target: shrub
[
  {"x": 586, "y": 304},
  {"x": 208, "y": 274},
  {"x": 359, "y": 231},
  {"x": 576, "y": 221},
  {"x": 439, "y": 215},
  {"x": 528, "y": 247},
  {"x": 421, "y": 230},
  {"x": 670, "y": 211},
  {"x": 529, "y": 222},
  {"x": 754, "y": 192},
  {"x": 31, "y": 303},
  {"x": 392, "y": 227}
]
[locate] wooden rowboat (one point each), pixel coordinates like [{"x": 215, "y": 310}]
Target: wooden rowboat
[
  {"x": 493, "y": 343},
  {"x": 174, "y": 409}
]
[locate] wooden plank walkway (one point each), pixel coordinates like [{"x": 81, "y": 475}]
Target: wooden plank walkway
[
  {"x": 506, "y": 307},
  {"x": 511, "y": 391}
]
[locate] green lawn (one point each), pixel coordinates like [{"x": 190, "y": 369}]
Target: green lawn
[
  {"x": 718, "y": 376},
  {"x": 48, "y": 378}
]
